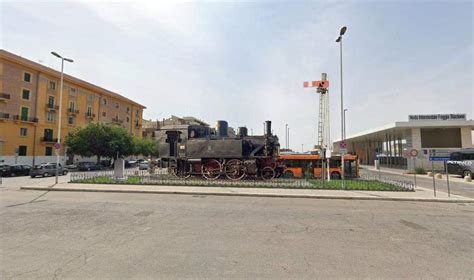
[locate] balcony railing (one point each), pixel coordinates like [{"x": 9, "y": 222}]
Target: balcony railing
[
  {"x": 49, "y": 139},
  {"x": 52, "y": 106},
  {"x": 72, "y": 111},
  {"x": 4, "y": 116},
  {"x": 117, "y": 121},
  {"x": 4, "y": 96},
  {"x": 24, "y": 118},
  {"x": 90, "y": 115}
]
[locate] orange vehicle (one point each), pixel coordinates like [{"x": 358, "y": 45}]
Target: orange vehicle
[{"x": 303, "y": 165}]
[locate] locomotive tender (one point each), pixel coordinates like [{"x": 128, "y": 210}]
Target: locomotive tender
[{"x": 198, "y": 150}]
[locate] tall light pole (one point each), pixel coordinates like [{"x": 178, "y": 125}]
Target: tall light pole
[
  {"x": 339, "y": 40},
  {"x": 286, "y": 136},
  {"x": 345, "y": 110},
  {"x": 58, "y": 143}
]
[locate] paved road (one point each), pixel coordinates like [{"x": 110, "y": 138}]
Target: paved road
[
  {"x": 98, "y": 235},
  {"x": 456, "y": 185}
]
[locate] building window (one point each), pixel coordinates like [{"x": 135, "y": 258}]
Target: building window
[
  {"x": 104, "y": 114},
  {"x": 51, "y": 101},
  {"x": 22, "y": 150},
  {"x": 72, "y": 106},
  {"x": 25, "y": 94},
  {"x": 128, "y": 110},
  {"x": 71, "y": 120},
  {"x": 104, "y": 101},
  {"x": 48, "y": 151},
  {"x": 116, "y": 105},
  {"x": 23, "y": 131},
  {"x": 48, "y": 134},
  {"x": 24, "y": 113},
  {"x": 52, "y": 85},
  {"x": 90, "y": 97},
  {"x": 89, "y": 110},
  {"x": 50, "y": 116},
  {"x": 27, "y": 77},
  {"x": 128, "y": 119}
]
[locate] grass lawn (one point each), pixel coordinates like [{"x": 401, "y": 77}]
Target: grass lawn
[{"x": 356, "y": 185}]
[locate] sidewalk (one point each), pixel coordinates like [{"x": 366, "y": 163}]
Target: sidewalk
[
  {"x": 403, "y": 172},
  {"x": 421, "y": 194}
]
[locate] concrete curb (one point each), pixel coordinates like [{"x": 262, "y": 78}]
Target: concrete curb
[{"x": 312, "y": 196}]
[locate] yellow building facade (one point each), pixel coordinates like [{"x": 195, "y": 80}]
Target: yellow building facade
[{"x": 29, "y": 110}]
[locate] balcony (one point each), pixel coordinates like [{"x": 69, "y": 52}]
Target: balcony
[
  {"x": 4, "y": 97},
  {"x": 4, "y": 116},
  {"x": 90, "y": 115},
  {"x": 49, "y": 140},
  {"x": 117, "y": 121},
  {"x": 52, "y": 107},
  {"x": 24, "y": 119},
  {"x": 72, "y": 111}
]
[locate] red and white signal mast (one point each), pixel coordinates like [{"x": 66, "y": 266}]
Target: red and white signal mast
[{"x": 324, "y": 135}]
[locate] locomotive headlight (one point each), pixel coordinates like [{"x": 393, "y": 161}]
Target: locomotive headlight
[{"x": 182, "y": 147}]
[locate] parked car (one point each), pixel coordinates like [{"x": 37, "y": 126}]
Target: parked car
[
  {"x": 16, "y": 170},
  {"x": 47, "y": 169},
  {"x": 88, "y": 166},
  {"x": 144, "y": 165},
  {"x": 3, "y": 169},
  {"x": 71, "y": 167},
  {"x": 462, "y": 163}
]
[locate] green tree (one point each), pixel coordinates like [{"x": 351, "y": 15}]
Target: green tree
[
  {"x": 100, "y": 140},
  {"x": 145, "y": 147}
]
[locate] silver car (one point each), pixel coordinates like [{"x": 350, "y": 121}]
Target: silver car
[{"x": 47, "y": 169}]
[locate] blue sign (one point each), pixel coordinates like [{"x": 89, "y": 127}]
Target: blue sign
[{"x": 440, "y": 158}]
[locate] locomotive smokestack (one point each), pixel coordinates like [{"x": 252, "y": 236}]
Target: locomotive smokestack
[
  {"x": 268, "y": 127},
  {"x": 221, "y": 128}
]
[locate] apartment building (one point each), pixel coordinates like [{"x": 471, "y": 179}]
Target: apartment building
[{"x": 29, "y": 110}]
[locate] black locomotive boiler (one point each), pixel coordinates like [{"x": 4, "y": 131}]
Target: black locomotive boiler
[{"x": 199, "y": 150}]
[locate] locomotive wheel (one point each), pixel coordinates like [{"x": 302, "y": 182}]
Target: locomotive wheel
[
  {"x": 234, "y": 169},
  {"x": 268, "y": 173},
  {"x": 211, "y": 170},
  {"x": 182, "y": 170}
]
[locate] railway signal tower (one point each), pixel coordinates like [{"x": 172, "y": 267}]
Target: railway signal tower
[{"x": 324, "y": 136}]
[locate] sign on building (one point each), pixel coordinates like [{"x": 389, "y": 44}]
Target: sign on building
[{"x": 437, "y": 117}]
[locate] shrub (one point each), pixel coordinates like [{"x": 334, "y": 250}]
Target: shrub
[{"x": 420, "y": 170}]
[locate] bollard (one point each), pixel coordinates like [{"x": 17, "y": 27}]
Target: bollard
[
  {"x": 438, "y": 176},
  {"x": 467, "y": 179},
  {"x": 430, "y": 174}
]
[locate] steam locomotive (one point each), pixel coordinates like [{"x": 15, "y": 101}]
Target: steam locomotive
[{"x": 201, "y": 151}]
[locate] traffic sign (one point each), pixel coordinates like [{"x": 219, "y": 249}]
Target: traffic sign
[
  {"x": 439, "y": 158},
  {"x": 343, "y": 147},
  {"x": 57, "y": 146},
  {"x": 439, "y": 155},
  {"x": 413, "y": 152}
]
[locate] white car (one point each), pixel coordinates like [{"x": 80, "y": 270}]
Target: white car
[{"x": 144, "y": 165}]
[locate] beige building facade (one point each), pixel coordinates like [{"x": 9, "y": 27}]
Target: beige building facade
[{"x": 29, "y": 110}]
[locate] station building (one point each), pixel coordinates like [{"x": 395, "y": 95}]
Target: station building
[
  {"x": 29, "y": 110},
  {"x": 423, "y": 133}
]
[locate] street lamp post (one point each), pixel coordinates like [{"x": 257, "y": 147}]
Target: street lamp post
[
  {"x": 339, "y": 40},
  {"x": 286, "y": 136},
  {"x": 345, "y": 110},
  {"x": 58, "y": 143}
]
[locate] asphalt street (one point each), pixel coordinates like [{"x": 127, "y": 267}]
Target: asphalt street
[
  {"x": 107, "y": 235},
  {"x": 457, "y": 186}
]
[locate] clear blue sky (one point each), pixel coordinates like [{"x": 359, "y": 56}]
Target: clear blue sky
[{"x": 245, "y": 61}]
